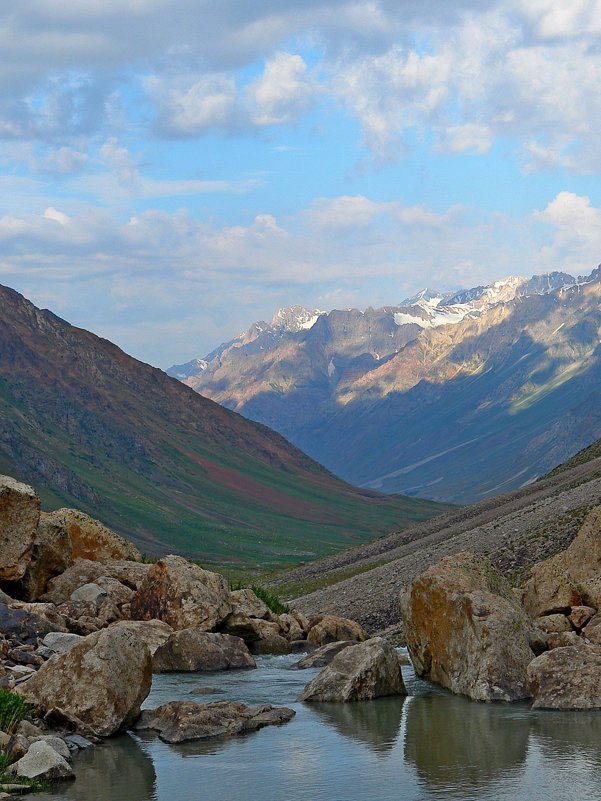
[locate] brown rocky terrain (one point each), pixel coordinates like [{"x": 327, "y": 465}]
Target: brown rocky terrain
[{"x": 514, "y": 531}]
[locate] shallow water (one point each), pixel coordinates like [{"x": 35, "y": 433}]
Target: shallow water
[{"x": 428, "y": 747}]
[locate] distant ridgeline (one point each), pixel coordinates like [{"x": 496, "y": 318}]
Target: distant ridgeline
[
  {"x": 450, "y": 396},
  {"x": 94, "y": 428}
]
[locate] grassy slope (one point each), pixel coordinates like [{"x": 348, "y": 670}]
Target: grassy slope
[{"x": 93, "y": 428}]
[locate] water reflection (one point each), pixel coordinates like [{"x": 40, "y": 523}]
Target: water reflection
[
  {"x": 117, "y": 770},
  {"x": 569, "y": 735},
  {"x": 462, "y": 745},
  {"x": 375, "y": 723}
]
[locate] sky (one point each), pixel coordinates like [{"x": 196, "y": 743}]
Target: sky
[{"x": 173, "y": 170}]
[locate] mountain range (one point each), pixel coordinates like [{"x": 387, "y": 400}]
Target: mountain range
[
  {"x": 94, "y": 428},
  {"x": 450, "y": 396}
]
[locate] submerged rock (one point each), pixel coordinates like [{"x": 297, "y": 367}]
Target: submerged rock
[
  {"x": 466, "y": 630},
  {"x": 567, "y": 678},
  {"x": 182, "y": 595},
  {"x": 197, "y": 650},
  {"x": 358, "y": 673},
  {"x": 19, "y": 517},
  {"x": 102, "y": 681},
  {"x": 179, "y": 721}
]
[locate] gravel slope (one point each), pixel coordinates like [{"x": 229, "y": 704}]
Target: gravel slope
[{"x": 514, "y": 530}]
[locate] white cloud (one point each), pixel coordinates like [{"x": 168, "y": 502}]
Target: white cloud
[
  {"x": 283, "y": 92},
  {"x": 576, "y": 238},
  {"x": 191, "y": 105}
]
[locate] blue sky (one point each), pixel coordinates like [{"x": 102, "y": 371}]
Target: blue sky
[{"x": 172, "y": 170}]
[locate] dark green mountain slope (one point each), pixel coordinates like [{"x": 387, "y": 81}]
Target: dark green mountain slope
[{"x": 95, "y": 428}]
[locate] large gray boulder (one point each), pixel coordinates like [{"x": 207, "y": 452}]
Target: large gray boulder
[
  {"x": 358, "y": 673},
  {"x": 179, "y": 721},
  {"x": 567, "y": 678},
  {"x": 19, "y": 517},
  {"x": 183, "y": 595},
  {"x": 466, "y": 630},
  {"x": 571, "y": 577},
  {"x": 43, "y": 762},
  {"x": 197, "y": 650},
  {"x": 101, "y": 681}
]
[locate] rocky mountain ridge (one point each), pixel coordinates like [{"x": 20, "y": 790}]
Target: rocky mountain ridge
[{"x": 451, "y": 396}]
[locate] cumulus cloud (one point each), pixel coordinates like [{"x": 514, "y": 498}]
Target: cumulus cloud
[
  {"x": 576, "y": 232},
  {"x": 283, "y": 92}
]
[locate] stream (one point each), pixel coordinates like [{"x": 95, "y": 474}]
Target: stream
[{"x": 429, "y": 746}]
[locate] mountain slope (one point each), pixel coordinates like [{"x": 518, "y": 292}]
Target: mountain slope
[
  {"x": 162, "y": 465},
  {"x": 452, "y": 397},
  {"x": 514, "y": 531}
]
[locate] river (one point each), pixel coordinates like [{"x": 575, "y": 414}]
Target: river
[{"x": 430, "y": 746}]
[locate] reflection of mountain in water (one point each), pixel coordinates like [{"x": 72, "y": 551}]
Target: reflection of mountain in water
[
  {"x": 117, "y": 770},
  {"x": 456, "y": 743},
  {"x": 376, "y": 723}
]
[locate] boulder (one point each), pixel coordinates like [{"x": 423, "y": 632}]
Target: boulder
[
  {"x": 119, "y": 593},
  {"x": 567, "y": 678},
  {"x": 290, "y": 627},
  {"x": 561, "y": 639},
  {"x": 179, "y": 721},
  {"x": 466, "y": 630},
  {"x": 195, "y": 650},
  {"x": 580, "y": 615},
  {"x": 247, "y": 603},
  {"x": 183, "y": 595},
  {"x": 90, "y": 593},
  {"x": 42, "y": 762},
  {"x": 19, "y": 517},
  {"x": 59, "y": 745},
  {"x": 359, "y": 672},
  {"x": 553, "y": 623},
  {"x": 25, "y": 625},
  {"x": 570, "y": 578},
  {"x": 270, "y": 639},
  {"x": 101, "y": 681},
  {"x": 538, "y": 641},
  {"x": 90, "y": 539},
  {"x": 238, "y": 624},
  {"x": 86, "y": 571},
  {"x": 60, "y": 643},
  {"x": 52, "y": 554},
  {"x": 153, "y": 633},
  {"x": 322, "y": 656},
  {"x": 329, "y": 628}
]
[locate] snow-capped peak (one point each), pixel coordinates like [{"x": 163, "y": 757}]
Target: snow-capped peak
[{"x": 295, "y": 318}]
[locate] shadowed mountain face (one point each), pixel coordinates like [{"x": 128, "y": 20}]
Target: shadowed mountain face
[
  {"x": 95, "y": 428},
  {"x": 451, "y": 398}
]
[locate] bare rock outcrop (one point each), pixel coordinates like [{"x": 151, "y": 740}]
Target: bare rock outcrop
[
  {"x": 179, "y": 721},
  {"x": 360, "y": 672},
  {"x": 570, "y": 578},
  {"x": 101, "y": 681},
  {"x": 197, "y": 650},
  {"x": 19, "y": 517},
  {"x": 567, "y": 678},
  {"x": 466, "y": 630},
  {"x": 182, "y": 595}
]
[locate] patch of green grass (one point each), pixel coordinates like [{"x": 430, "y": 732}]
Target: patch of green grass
[
  {"x": 269, "y": 598},
  {"x": 12, "y": 711}
]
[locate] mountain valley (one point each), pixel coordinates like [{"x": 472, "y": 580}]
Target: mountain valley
[{"x": 453, "y": 397}]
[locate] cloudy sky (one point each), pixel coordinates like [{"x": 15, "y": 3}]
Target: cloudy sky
[{"x": 172, "y": 170}]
